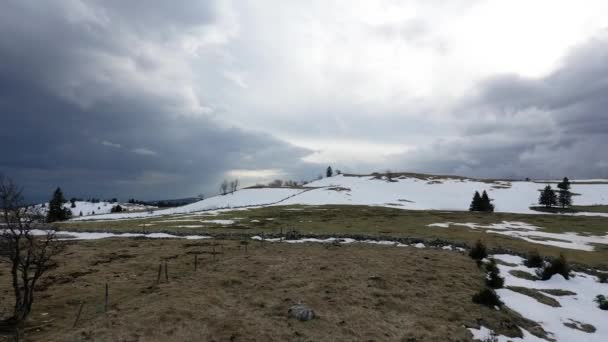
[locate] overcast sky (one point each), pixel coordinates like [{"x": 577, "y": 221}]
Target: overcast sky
[{"x": 162, "y": 99}]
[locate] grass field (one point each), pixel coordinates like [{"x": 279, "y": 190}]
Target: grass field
[
  {"x": 243, "y": 295},
  {"x": 376, "y": 222}
]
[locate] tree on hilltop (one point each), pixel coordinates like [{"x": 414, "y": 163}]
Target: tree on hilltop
[
  {"x": 486, "y": 203},
  {"x": 476, "y": 202},
  {"x": 547, "y": 197},
  {"x": 329, "y": 172},
  {"x": 565, "y": 196},
  {"x": 56, "y": 210}
]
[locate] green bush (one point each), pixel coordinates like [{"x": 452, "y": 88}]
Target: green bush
[
  {"x": 534, "y": 260},
  {"x": 602, "y": 301},
  {"x": 494, "y": 279},
  {"x": 556, "y": 266},
  {"x": 479, "y": 251},
  {"x": 487, "y": 297}
]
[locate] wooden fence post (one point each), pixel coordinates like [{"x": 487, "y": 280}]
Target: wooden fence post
[
  {"x": 107, "y": 299},
  {"x": 78, "y": 315},
  {"x": 160, "y": 269},
  {"x": 166, "y": 272}
]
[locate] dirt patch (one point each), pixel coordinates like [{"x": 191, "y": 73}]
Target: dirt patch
[
  {"x": 408, "y": 293},
  {"x": 558, "y": 292},
  {"x": 523, "y": 275},
  {"x": 537, "y": 295},
  {"x": 588, "y": 328}
]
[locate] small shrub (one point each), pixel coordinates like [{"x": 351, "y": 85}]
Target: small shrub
[
  {"x": 494, "y": 279},
  {"x": 534, "y": 260},
  {"x": 479, "y": 251},
  {"x": 602, "y": 301},
  {"x": 487, "y": 297},
  {"x": 556, "y": 266},
  {"x": 602, "y": 278}
]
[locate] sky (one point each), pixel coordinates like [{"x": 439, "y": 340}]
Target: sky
[{"x": 156, "y": 99}]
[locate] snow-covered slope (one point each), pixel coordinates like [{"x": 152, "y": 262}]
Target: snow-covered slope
[
  {"x": 437, "y": 193},
  {"x": 405, "y": 192},
  {"x": 89, "y": 208},
  {"x": 241, "y": 198}
]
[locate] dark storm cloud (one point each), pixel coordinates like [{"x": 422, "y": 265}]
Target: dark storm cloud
[
  {"x": 552, "y": 126},
  {"x": 81, "y": 105}
]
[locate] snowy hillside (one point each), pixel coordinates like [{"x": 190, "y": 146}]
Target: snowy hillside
[
  {"x": 89, "y": 208},
  {"x": 241, "y": 198},
  {"x": 414, "y": 193},
  {"x": 437, "y": 193}
]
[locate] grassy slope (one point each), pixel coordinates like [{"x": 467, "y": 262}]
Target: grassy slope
[
  {"x": 376, "y": 222},
  {"x": 244, "y": 295}
]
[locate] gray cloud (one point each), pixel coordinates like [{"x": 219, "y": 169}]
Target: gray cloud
[
  {"x": 552, "y": 126},
  {"x": 81, "y": 110},
  {"x": 148, "y": 99}
]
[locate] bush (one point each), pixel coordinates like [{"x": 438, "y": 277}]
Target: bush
[
  {"x": 602, "y": 301},
  {"x": 534, "y": 260},
  {"x": 479, "y": 251},
  {"x": 556, "y": 266},
  {"x": 494, "y": 279},
  {"x": 487, "y": 297},
  {"x": 602, "y": 278}
]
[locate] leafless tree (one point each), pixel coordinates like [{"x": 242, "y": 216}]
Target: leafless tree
[
  {"x": 234, "y": 185},
  {"x": 224, "y": 187},
  {"x": 30, "y": 252}
]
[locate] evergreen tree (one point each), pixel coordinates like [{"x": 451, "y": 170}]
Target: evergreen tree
[
  {"x": 486, "y": 203},
  {"x": 565, "y": 196},
  {"x": 56, "y": 210},
  {"x": 476, "y": 203},
  {"x": 73, "y": 201},
  {"x": 329, "y": 172},
  {"x": 547, "y": 197},
  {"x": 494, "y": 280}
]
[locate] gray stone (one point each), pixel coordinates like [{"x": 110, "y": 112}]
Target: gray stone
[{"x": 301, "y": 312}]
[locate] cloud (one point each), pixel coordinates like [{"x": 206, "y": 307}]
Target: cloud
[
  {"x": 92, "y": 90},
  {"x": 153, "y": 100}
]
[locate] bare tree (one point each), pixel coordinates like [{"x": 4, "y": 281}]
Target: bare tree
[
  {"x": 234, "y": 185},
  {"x": 30, "y": 256},
  {"x": 224, "y": 187}
]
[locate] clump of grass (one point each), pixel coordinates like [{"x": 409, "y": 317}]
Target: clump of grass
[
  {"x": 602, "y": 301},
  {"x": 479, "y": 251},
  {"x": 556, "y": 266},
  {"x": 494, "y": 279},
  {"x": 487, "y": 297},
  {"x": 534, "y": 260}
]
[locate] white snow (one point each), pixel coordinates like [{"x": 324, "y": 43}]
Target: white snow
[
  {"x": 241, "y": 198},
  {"x": 579, "y": 307},
  {"x": 533, "y": 234},
  {"x": 67, "y": 235},
  {"x": 89, "y": 208},
  {"x": 447, "y": 194}
]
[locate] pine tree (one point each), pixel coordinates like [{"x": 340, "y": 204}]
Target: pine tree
[
  {"x": 494, "y": 280},
  {"x": 547, "y": 197},
  {"x": 476, "y": 203},
  {"x": 565, "y": 196},
  {"x": 486, "y": 203},
  {"x": 329, "y": 172},
  {"x": 56, "y": 210}
]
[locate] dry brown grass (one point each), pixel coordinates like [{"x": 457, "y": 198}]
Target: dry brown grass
[{"x": 359, "y": 293}]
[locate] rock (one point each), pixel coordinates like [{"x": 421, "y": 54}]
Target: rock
[{"x": 301, "y": 312}]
